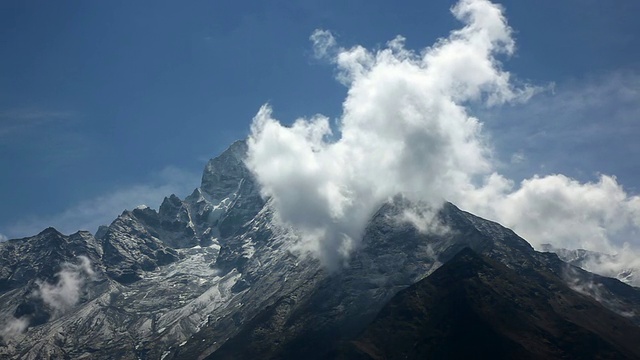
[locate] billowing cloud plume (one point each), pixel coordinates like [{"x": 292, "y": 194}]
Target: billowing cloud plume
[
  {"x": 406, "y": 129},
  {"x": 66, "y": 292},
  {"x": 597, "y": 216},
  {"x": 555, "y": 209}
]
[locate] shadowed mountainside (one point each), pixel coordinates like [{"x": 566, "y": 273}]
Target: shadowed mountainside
[{"x": 473, "y": 307}]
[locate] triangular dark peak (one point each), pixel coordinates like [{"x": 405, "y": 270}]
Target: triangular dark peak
[
  {"x": 474, "y": 307},
  {"x": 467, "y": 255},
  {"x": 50, "y": 231},
  {"x": 466, "y": 258}
]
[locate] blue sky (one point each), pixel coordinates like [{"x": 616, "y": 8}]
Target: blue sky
[{"x": 104, "y": 105}]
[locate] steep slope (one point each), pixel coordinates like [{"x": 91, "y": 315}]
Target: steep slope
[
  {"x": 394, "y": 256},
  {"x": 154, "y": 279},
  {"x": 32, "y": 264},
  {"x": 473, "y": 307}
]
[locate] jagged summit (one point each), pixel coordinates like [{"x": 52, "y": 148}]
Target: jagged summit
[
  {"x": 49, "y": 231},
  {"x": 222, "y": 173}
]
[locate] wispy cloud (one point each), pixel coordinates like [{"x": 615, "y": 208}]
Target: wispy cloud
[
  {"x": 101, "y": 210},
  {"x": 17, "y": 120},
  {"x": 59, "y": 297},
  {"x": 585, "y": 124},
  {"x": 66, "y": 292},
  {"x": 14, "y": 328}
]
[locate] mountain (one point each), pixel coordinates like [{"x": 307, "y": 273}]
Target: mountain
[
  {"x": 392, "y": 258},
  {"x": 211, "y": 276},
  {"x": 473, "y": 307}
]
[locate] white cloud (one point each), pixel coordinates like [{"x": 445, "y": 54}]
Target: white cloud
[
  {"x": 103, "y": 209},
  {"x": 555, "y": 209},
  {"x": 324, "y": 44},
  {"x": 597, "y": 216},
  {"x": 423, "y": 217},
  {"x": 624, "y": 265},
  {"x": 65, "y": 294},
  {"x": 405, "y": 129},
  {"x": 14, "y": 328},
  {"x": 60, "y": 297},
  {"x": 3, "y": 237}
]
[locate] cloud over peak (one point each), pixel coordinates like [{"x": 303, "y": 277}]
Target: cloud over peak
[
  {"x": 555, "y": 209},
  {"x": 404, "y": 130}
]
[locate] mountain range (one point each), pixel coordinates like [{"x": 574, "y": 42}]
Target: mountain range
[{"x": 213, "y": 276}]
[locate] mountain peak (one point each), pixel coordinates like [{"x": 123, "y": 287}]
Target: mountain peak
[
  {"x": 223, "y": 173},
  {"x": 50, "y": 231},
  {"x": 169, "y": 204},
  {"x": 238, "y": 148}
]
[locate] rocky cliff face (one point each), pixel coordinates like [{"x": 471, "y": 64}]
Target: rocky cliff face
[
  {"x": 212, "y": 276},
  {"x": 155, "y": 278}
]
